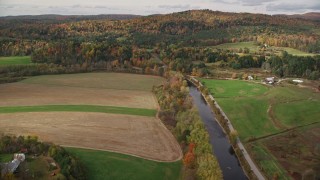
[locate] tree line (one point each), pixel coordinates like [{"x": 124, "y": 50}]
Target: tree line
[
  {"x": 179, "y": 115},
  {"x": 71, "y": 168}
]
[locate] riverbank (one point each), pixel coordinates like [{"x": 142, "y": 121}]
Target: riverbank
[{"x": 246, "y": 162}]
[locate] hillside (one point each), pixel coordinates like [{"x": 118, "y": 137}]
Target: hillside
[
  {"x": 315, "y": 16},
  {"x": 174, "y": 39},
  {"x": 188, "y": 28}
]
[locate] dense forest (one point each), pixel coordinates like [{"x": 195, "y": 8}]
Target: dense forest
[{"x": 175, "y": 39}]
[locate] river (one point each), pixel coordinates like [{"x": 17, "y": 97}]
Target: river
[{"x": 228, "y": 161}]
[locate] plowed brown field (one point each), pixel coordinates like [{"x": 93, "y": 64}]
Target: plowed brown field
[{"x": 136, "y": 135}]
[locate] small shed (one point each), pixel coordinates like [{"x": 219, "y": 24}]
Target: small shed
[{"x": 270, "y": 80}]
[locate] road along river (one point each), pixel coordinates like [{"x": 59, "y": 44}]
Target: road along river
[{"x": 228, "y": 161}]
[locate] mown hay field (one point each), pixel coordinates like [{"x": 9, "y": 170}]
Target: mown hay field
[{"x": 109, "y": 165}]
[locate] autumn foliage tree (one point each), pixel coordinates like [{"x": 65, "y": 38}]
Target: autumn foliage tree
[{"x": 189, "y": 157}]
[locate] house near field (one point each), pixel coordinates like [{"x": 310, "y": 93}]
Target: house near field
[
  {"x": 12, "y": 166},
  {"x": 270, "y": 80}
]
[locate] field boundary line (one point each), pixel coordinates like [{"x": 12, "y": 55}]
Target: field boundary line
[
  {"x": 281, "y": 132},
  {"x": 115, "y": 151}
]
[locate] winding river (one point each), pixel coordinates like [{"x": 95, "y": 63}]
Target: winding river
[{"x": 228, "y": 161}]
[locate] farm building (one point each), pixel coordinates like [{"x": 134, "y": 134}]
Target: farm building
[
  {"x": 12, "y": 166},
  {"x": 270, "y": 80}
]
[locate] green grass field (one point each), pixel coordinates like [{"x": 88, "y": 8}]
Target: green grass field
[
  {"x": 109, "y": 165},
  {"x": 256, "y": 111},
  {"x": 15, "y": 60},
  {"x": 80, "y": 108},
  {"x": 233, "y": 88},
  {"x": 5, "y": 157},
  {"x": 250, "y": 45},
  {"x": 247, "y": 104},
  {"x": 249, "y": 116},
  {"x": 253, "y": 47},
  {"x": 120, "y": 81},
  {"x": 296, "y": 113},
  {"x": 296, "y": 52}
]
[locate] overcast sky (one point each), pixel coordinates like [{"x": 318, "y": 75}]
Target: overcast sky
[{"x": 147, "y": 7}]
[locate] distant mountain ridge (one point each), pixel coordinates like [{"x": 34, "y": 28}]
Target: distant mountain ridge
[
  {"x": 314, "y": 16},
  {"x": 186, "y": 28},
  {"x": 72, "y": 17}
]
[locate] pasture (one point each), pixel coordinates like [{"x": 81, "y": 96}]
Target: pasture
[
  {"x": 234, "y": 88},
  {"x": 258, "y": 111},
  {"x": 15, "y": 60},
  {"x": 235, "y": 46},
  {"x": 253, "y": 47},
  {"x": 102, "y": 164},
  {"x": 295, "y": 52}
]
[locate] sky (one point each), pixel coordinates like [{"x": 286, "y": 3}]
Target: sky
[{"x": 147, "y": 7}]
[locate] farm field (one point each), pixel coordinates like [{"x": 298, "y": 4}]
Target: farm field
[
  {"x": 255, "y": 48},
  {"x": 96, "y": 93},
  {"x": 116, "y": 81},
  {"x": 101, "y": 164},
  {"x": 258, "y": 111},
  {"x": 137, "y": 135},
  {"x": 15, "y": 60},
  {"x": 99, "y": 111}
]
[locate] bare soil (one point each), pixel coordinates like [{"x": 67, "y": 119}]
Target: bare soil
[
  {"x": 135, "y": 135},
  {"x": 23, "y": 94}
]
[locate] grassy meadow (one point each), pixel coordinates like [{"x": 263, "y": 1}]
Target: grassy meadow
[
  {"x": 15, "y": 60},
  {"x": 250, "y": 45},
  {"x": 257, "y": 111},
  {"x": 5, "y": 157},
  {"x": 296, "y": 52},
  {"x": 109, "y": 165},
  {"x": 80, "y": 108},
  {"x": 253, "y": 47}
]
